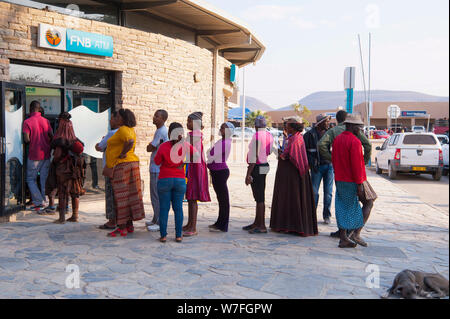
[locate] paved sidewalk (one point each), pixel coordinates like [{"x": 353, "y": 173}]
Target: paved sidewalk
[{"x": 403, "y": 232}]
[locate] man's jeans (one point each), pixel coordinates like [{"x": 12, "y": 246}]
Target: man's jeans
[
  {"x": 154, "y": 196},
  {"x": 171, "y": 190},
  {"x": 326, "y": 173},
  {"x": 33, "y": 168}
]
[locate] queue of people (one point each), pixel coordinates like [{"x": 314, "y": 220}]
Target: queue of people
[{"x": 179, "y": 171}]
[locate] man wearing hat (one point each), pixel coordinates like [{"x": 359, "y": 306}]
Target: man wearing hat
[
  {"x": 351, "y": 184},
  {"x": 321, "y": 168}
]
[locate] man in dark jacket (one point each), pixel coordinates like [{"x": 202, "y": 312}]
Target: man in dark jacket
[{"x": 320, "y": 168}]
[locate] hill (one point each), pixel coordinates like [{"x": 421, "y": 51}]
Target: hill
[
  {"x": 254, "y": 104},
  {"x": 330, "y": 100}
]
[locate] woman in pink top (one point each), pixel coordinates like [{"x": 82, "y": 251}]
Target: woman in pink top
[{"x": 197, "y": 174}]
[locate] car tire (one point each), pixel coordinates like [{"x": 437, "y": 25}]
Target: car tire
[
  {"x": 378, "y": 170},
  {"x": 392, "y": 173},
  {"x": 437, "y": 175}
]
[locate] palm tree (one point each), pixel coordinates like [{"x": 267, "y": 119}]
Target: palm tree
[
  {"x": 250, "y": 118},
  {"x": 302, "y": 111}
]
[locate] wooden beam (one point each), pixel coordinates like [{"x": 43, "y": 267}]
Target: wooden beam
[
  {"x": 216, "y": 32},
  {"x": 136, "y": 6},
  {"x": 240, "y": 50}
]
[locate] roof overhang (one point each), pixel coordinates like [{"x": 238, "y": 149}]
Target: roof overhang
[{"x": 214, "y": 28}]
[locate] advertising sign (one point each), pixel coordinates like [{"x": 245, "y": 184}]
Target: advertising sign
[
  {"x": 414, "y": 113},
  {"x": 63, "y": 39},
  {"x": 89, "y": 43},
  {"x": 52, "y": 37}
]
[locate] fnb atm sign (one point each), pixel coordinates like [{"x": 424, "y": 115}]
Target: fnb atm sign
[
  {"x": 63, "y": 39},
  {"x": 414, "y": 113}
]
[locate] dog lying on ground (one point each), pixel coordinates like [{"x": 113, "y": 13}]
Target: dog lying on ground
[{"x": 411, "y": 284}]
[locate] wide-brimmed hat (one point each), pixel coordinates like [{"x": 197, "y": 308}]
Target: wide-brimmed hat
[
  {"x": 322, "y": 117},
  {"x": 353, "y": 119},
  {"x": 293, "y": 118}
]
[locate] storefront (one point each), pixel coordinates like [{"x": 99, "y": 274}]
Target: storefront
[{"x": 90, "y": 57}]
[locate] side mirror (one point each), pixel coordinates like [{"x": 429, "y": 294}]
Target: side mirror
[{"x": 378, "y": 148}]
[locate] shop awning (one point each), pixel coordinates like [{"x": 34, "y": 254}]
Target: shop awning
[{"x": 213, "y": 27}]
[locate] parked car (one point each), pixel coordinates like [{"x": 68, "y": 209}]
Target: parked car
[
  {"x": 443, "y": 139},
  {"x": 396, "y": 128},
  {"x": 419, "y": 153},
  {"x": 418, "y": 129},
  {"x": 248, "y": 132},
  {"x": 275, "y": 132},
  {"x": 379, "y": 134},
  {"x": 445, "y": 145}
]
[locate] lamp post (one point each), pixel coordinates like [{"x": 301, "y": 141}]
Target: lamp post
[{"x": 349, "y": 84}]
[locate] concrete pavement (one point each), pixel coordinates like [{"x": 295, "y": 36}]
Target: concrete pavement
[{"x": 403, "y": 232}]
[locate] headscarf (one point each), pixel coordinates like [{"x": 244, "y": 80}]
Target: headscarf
[
  {"x": 196, "y": 116},
  {"x": 65, "y": 128},
  {"x": 231, "y": 127},
  {"x": 260, "y": 121},
  {"x": 296, "y": 151}
]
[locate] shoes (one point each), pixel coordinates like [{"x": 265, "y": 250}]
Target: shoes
[
  {"x": 36, "y": 208},
  {"x": 348, "y": 244},
  {"x": 153, "y": 228},
  {"x": 358, "y": 240},
  {"x": 163, "y": 239},
  {"x": 190, "y": 233},
  {"x": 335, "y": 234},
  {"x": 248, "y": 227},
  {"x": 149, "y": 223},
  {"x": 122, "y": 232},
  {"x": 179, "y": 239},
  {"x": 327, "y": 221},
  {"x": 257, "y": 231},
  {"x": 215, "y": 230}
]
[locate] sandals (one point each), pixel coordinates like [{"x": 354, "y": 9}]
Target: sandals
[
  {"x": 348, "y": 244},
  {"x": 190, "y": 233},
  {"x": 359, "y": 240},
  {"x": 122, "y": 232}
]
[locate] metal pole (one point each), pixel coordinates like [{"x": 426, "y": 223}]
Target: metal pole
[
  {"x": 243, "y": 114},
  {"x": 363, "y": 74},
  {"x": 369, "y": 93}
]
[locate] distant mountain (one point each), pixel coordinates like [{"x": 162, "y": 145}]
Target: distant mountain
[
  {"x": 331, "y": 100},
  {"x": 254, "y": 104}
]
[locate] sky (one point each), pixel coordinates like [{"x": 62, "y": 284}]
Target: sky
[{"x": 309, "y": 44}]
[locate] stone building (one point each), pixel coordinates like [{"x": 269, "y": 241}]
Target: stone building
[{"x": 143, "y": 55}]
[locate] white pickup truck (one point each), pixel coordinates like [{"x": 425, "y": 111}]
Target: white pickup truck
[{"x": 419, "y": 153}]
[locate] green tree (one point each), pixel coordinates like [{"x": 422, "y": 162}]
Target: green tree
[
  {"x": 250, "y": 118},
  {"x": 302, "y": 111}
]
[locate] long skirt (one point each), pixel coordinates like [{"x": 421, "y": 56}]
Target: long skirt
[
  {"x": 348, "y": 210},
  {"x": 293, "y": 206},
  {"x": 197, "y": 184},
  {"x": 126, "y": 184}
]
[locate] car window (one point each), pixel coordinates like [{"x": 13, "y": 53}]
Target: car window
[
  {"x": 421, "y": 139},
  {"x": 394, "y": 139},
  {"x": 383, "y": 147}
]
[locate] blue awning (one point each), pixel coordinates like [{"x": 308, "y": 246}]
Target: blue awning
[{"x": 236, "y": 113}]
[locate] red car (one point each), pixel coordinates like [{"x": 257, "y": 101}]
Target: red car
[{"x": 377, "y": 135}]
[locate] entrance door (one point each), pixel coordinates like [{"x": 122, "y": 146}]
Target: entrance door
[{"x": 12, "y": 190}]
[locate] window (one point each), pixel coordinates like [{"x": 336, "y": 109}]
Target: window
[
  {"x": 420, "y": 139},
  {"x": 385, "y": 144},
  {"x": 88, "y": 78},
  {"x": 34, "y": 74},
  {"x": 394, "y": 140},
  {"x": 87, "y": 9}
]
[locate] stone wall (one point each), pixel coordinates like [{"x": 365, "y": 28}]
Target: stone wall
[{"x": 152, "y": 71}]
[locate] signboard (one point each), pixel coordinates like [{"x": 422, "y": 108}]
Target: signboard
[
  {"x": 414, "y": 113},
  {"x": 349, "y": 78},
  {"x": 233, "y": 73},
  {"x": 63, "y": 39},
  {"x": 332, "y": 114},
  {"x": 393, "y": 111},
  {"x": 51, "y": 37},
  {"x": 89, "y": 43}
]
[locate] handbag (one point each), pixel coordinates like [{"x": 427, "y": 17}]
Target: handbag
[
  {"x": 369, "y": 192},
  {"x": 108, "y": 172}
]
